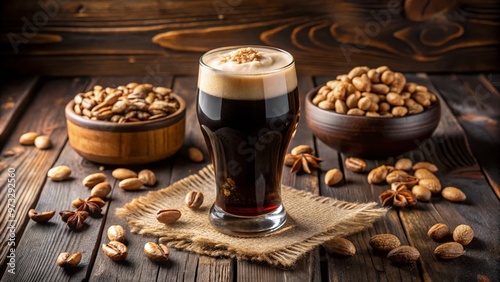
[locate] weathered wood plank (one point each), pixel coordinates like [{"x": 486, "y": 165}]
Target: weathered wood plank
[
  {"x": 15, "y": 95},
  {"x": 366, "y": 265},
  {"x": 475, "y": 103},
  {"x": 458, "y": 168},
  {"x": 324, "y": 36},
  {"x": 207, "y": 268},
  {"x": 137, "y": 267},
  {"x": 45, "y": 115}
]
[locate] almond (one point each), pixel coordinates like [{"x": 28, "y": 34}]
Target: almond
[
  {"x": 301, "y": 149},
  {"x": 101, "y": 190},
  {"x": 28, "y": 138},
  {"x": 378, "y": 174},
  {"x": 147, "y": 177},
  {"x": 59, "y": 173},
  {"x": 438, "y": 231},
  {"x": 130, "y": 184},
  {"x": 449, "y": 250},
  {"x": 421, "y": 192},
  {"x": 333, "y": 176},
  {"x": 403, "y": 255},
  {"x": 427, "y": 165},
  {"x": 93, "y": 179},
  {"x": 195, "y": 155},
  {"x": 432, "y": 184},
  {"x": 42, "y": 142},
  {"x": 384, "y": 242},
  {"x": 423, "y": 173},
  {"x": 168, "y": 216},
  {"x": 403, "y": 164},
  {"x": 123, "y": 173},
  {"x": 463, "y": 234},
  {"x": 355, "y": 164},
  {"x": 340, "y": 246},
  {"x": 453, "y": 194}
]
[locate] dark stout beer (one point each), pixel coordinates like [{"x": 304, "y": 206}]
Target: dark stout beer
[
  {"x": 247, "y": 140},
  {"x": 248, "y": 109}
]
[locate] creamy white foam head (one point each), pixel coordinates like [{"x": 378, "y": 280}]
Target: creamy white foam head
[{"x": 221, "y": 74}]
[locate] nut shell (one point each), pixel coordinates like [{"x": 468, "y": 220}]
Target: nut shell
[
  {"x": 195, "y": 155},
  {"x": 117, "y": 233},
  {"x": 403, "y": 164},
  {"x": 421, "y": 192},
  {"x": 28, "y": 138},
  {"x": 115, "y": 250},
  {"x": 59, "y": 173},
  {"x": 93, "y": 179},
  {"x": 438, "y": 231},
  {"x": 168, "y": 216},
  {"x": 123, "y": 173},
  {"x": 384, "y": 242},
  {"x": 463, "y": 234},
  {"x": 130, "y": 184},
  {"x": 453, "y": 194},
  {"x": 404, "y": 255},
  {"x": 340, "y": 246},
  {"x": 147, "y": 177},
  {"x": 449, "y": 250},
  {"x": 69, "y": 260},
  {"x": 355, "y": 164},
  {"x": 101, "y": 190},
  {"x": 158, "y": 253},
  {"x": 194, "y": 199},
  {"x": 333, "y": 176},
  {"x": 42, "y": 142}
]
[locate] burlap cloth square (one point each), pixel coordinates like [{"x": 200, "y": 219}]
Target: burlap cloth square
[{"x": 312, "y": 220}]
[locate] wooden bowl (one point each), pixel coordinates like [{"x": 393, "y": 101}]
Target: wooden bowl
[
  {"x": 126, "y": 143},
  {"x": 370, "y": 137}
]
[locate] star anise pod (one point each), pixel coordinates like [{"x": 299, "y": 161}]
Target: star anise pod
[
  {"x": 303, "y": 162},
  {"x": 401, "y": 197},
  {"x": 74, "y": 219},
  {"x": 92, "y": 205}
]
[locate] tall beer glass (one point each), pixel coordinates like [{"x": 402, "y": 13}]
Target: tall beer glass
[{"x": 248, "y": 109}]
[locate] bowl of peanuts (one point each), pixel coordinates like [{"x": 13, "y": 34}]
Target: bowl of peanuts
[
  {"x": 126, "y": 125},
  {"x": 372, "y": 113}
]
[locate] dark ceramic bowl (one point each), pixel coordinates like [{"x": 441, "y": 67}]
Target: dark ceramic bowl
[{"x": 370, "y": 137}]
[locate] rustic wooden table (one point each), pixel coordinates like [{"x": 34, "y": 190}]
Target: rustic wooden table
[{"x": 465, "y": 147}]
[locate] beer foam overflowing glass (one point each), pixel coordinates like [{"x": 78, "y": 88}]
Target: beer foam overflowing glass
[{"x": 248, "y": 109}]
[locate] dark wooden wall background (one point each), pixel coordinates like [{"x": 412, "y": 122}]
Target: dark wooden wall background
[{"x": 113, "y": 37}]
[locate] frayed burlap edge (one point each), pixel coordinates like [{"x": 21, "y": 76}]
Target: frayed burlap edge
[{"x": 363, "y": 215}]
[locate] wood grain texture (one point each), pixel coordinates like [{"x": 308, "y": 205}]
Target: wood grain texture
[
  {"x": 324, "y": 36},
  {"x": 15, "y": 95},
  {"x": 207, "y": 269},
  {"x": 367, "y": 264},
  {"x": 475, "y": 102},
  {"x": 461, "y": 161},
  {"x": 44, "y": 115},
  {"x": 41, "y": 244},
  {"x": 451, "y": 153}
]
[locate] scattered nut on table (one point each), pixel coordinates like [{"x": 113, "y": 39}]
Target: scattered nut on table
[
  {"x": 117, "y": 233},
  {"x": 59, "y": 173},
  {"x": 116, "y": 251},
  {"x": 69, "y": 260},
  {"x": 194, "y": 199},
  {"x": 158, "y": 253}
]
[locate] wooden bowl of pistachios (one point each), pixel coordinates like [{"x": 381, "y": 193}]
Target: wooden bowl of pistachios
[
  {"x": 127, "y": 125},
  {"x": 361, "y": 114}
]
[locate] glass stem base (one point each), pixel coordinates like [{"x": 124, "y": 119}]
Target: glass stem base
[{"x": 247, "y": 226}]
